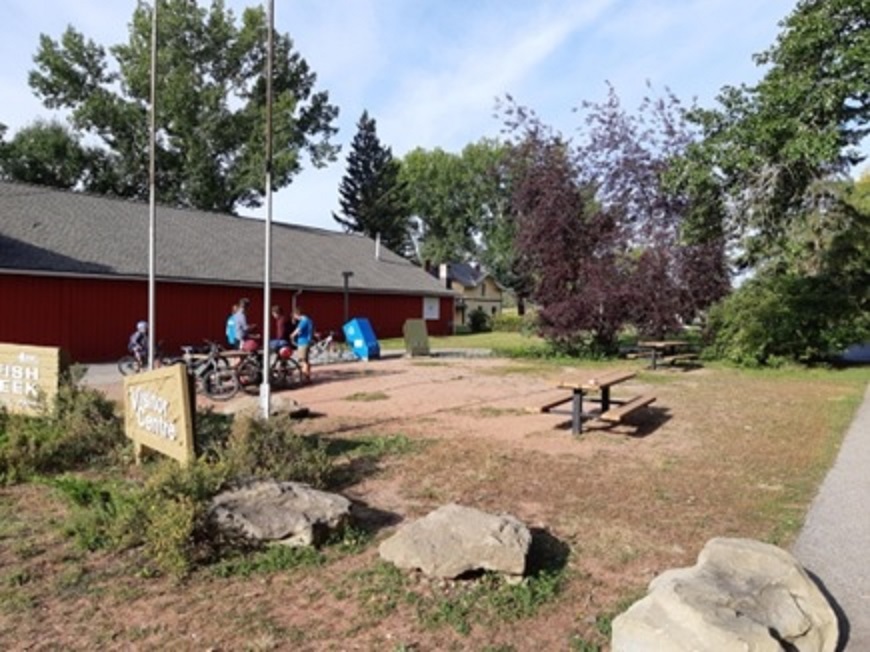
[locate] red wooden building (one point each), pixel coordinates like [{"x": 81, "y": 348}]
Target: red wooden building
[{"x": 74, "y": 269}]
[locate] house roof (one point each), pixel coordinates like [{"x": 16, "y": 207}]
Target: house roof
[
  {"x": 467, "y": 275},
  {"x": 46, "y": 230}
]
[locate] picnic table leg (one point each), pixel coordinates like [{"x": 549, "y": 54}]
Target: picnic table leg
[
  {"x": 577, "y": 412},
  {"x": 654, "y": 358},
  {"x": 605, "y": 399}
]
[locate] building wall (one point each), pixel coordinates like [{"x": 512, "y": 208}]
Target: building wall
[
  {"x": 92, "y": 318},
  {"x": 486, "y": 296}
]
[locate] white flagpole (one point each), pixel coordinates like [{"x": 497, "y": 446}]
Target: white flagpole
[
  {"x": 152, "y": 198},
  {"x": 265, "y": 388}
]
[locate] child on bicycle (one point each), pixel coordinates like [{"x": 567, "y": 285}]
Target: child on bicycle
[{"x": 138, "y": 343}]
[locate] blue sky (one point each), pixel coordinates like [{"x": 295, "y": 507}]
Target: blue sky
[{"x": 429, "y": 71}]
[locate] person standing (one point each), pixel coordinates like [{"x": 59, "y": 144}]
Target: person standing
[
  {"x": 302, "y": 335},
  {"x": 282, "y": 329},
  {"x": 232, "y": 337},
  {"x": 247, "y": 342}
]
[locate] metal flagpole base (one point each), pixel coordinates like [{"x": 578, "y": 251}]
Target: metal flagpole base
[{"x": 265, "y": 400}]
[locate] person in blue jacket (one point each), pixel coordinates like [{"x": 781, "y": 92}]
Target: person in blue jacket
[
  {"x": 302, "y": 335},
  {"x": 232, "y": 338}
]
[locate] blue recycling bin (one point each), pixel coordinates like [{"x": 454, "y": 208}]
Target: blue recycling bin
[{"x": 361, "y": 339}]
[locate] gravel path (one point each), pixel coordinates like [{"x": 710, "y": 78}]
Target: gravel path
[{"x": 834, "y": 544}]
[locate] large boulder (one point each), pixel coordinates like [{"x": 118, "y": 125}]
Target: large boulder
[
  {"x": 454, "y": 540},
  {"x": 741, "y": 595},
  {"x": 286, "y": 512}
]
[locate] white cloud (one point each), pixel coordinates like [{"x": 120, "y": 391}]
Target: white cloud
[
  {"x": 429, "y": 71},
  {"x": 454, "y": 104}
]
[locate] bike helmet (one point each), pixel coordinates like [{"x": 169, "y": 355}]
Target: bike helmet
[
  {"x": 285, "y": 353},
  {"x": 142, "y": 326}
]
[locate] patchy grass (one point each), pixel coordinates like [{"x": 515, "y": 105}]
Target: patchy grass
[
  {"x": 500, "y": 341},
  {"x": 273, "y": 559},
  {"x": 367, "y": 396},
  {"x": 726, "y": 452},
  {"x": 489, "y": 412}
]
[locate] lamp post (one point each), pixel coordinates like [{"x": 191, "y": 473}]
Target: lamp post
[{"x": 346, "y": 276}]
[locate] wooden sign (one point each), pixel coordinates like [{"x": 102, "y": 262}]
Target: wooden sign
[
  {"x": 29, "y": 376},
  {"x": 416, "y": 337},
  {"x": 158, "y": 413}
]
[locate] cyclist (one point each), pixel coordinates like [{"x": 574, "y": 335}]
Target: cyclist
[{"x": 138, "y": 344}]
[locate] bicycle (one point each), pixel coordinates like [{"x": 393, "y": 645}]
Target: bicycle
[
  {"x": 212, "y": 373},
  {"x": 284, "y": 370},
  {"x": 325, "y": 350},
  {"x": 322, "y": 349},
  {"x": 135, "y": 362}
]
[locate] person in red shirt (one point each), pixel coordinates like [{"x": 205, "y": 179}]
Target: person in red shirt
[{"x": 282, "y": 329}]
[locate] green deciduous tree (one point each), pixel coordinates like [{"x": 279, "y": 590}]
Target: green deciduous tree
[
  {"x": 45, "y": 153},
  {"x": 458, "y": 199},
  {"x": 211, "y": 104},
  {"x": 371, "y": 195},
  {"x": 771, "y": 142},
  {"x": 781, "y": 151}
]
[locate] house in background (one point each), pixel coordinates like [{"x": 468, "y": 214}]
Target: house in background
[
  {"x": 74, "y": 274},
  {"x": 475, "y": 289}
]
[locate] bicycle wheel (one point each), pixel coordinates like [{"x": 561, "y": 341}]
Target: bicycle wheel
[
  {"x": 129, "y": 365},
  {"x": 220, "y": 385},
  {"x": 286, "y": 373},
  {"x": 249, "y": 375}
]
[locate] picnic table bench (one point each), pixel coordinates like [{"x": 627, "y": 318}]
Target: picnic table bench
[
  {"x": 665, "y": 351},
  {"x": 599, "y": 385}
]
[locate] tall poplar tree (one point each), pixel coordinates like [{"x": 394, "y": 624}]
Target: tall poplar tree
[
  {"x": 210, "y": 109},
  {"x": 372, "y": 197}
]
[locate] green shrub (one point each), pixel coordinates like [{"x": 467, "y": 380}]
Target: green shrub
[
  {"x": 77, "y": 430},
  {"x": 270, "y": 449},
  {"x": 773, "y": 319},
  {"x": 168, "y": 516},
  {"x": 212, "y": 432},
  {"x": 478, "y": 321},
  {"x": 104, "y": 514},
  {"x": 507, "y": 322}
]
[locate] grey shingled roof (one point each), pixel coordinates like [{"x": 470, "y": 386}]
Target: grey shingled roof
[
  {"x": 466, "y": 274},
  {"x": 48, "y": 230}
]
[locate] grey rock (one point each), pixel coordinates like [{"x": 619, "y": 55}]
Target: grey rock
[
  {"x": 291, "y": 513},
  {"x": 454, "y": 540},
  {"x": 741, "y": 595}
]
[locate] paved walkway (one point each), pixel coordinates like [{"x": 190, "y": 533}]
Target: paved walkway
[{"x": 834, "y": 544}]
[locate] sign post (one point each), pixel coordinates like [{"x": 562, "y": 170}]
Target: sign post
[
  {"x": 416, "y": 337},
  {"x": 158, "y": 414},
  {"x": 29, "y": 376}
]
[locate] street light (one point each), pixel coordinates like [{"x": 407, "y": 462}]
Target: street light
[{"x": 346, "y": 276}]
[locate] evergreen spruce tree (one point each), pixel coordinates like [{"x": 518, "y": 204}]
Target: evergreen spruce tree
[{"x": 373, "y": 200}]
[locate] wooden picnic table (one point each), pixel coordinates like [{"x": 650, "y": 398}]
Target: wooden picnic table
[
  {"x": 670, "y": 350},
  {"x": 599, "y": 384}
]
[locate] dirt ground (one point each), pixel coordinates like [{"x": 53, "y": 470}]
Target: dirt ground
[{"x": 717, "y": 454}]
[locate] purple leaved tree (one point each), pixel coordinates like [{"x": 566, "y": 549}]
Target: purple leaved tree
[{"x": 600, "y": 226}]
